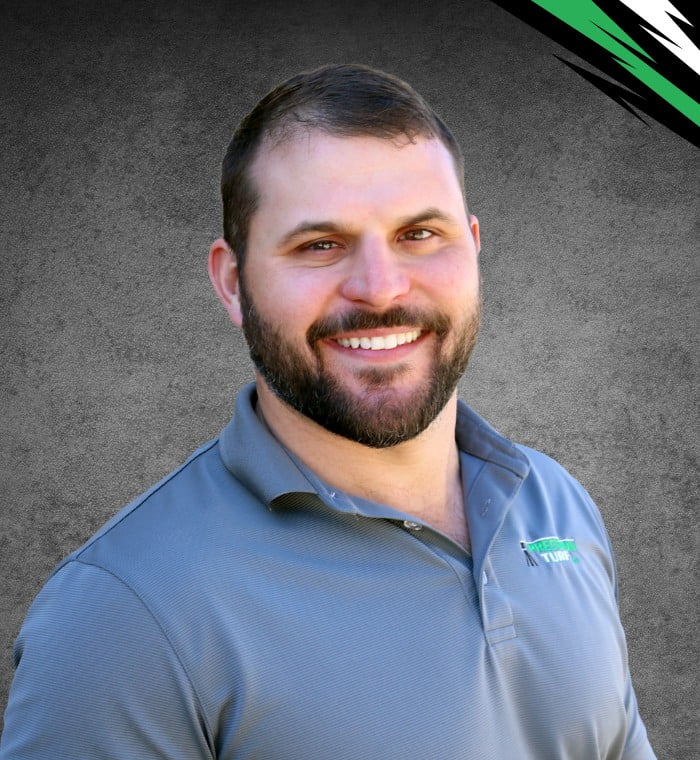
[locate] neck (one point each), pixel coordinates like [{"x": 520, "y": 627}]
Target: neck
[{"x": 420, "y": 477}]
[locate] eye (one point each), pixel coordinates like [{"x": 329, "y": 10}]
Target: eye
[
  {"x": 322, "y": 245},
  {"x": 319, "y": 252},
  {"x": 417, "y": 234}
]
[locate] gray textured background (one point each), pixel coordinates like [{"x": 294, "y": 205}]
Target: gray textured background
[{"x": 117, "y": 360}]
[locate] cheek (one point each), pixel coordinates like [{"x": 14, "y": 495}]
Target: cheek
[
  {"x": 454, "y": 282},
  {"x": 292, "y": 298}
]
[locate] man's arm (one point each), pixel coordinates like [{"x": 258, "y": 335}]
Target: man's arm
[
  {"x": 637, "y": 746},
  {"x": 97, "y": 678}
]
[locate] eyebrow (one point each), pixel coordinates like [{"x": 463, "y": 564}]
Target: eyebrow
[
  {"x": 329, "y": 227},
  {"x": 429, "y": 215},
  {"x": 303, "y": 227}
]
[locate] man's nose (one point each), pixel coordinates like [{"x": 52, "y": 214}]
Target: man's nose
[{"x": 378, "y": 276}]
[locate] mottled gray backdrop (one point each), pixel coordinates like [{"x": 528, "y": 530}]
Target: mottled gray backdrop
[{"x": 117, "y": 360}]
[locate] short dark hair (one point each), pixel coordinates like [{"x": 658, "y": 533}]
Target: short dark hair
[{"x": 346, "y": 100}]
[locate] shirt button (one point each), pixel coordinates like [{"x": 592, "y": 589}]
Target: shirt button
[{"x": 410, "y": 525}]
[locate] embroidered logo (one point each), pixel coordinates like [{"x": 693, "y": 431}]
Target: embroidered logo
[{"x": 550, "y": 549}]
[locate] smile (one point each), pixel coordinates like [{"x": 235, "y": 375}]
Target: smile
[{"x": 379, "y": 342}]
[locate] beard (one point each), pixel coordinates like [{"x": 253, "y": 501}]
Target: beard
[{"x": 381, "y": 417}]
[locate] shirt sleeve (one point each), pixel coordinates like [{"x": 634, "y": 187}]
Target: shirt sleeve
[
  {"x": 637, "y": 746},
  {"x": 97, "y": 678}
]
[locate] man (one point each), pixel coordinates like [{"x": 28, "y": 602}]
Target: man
[{"x": 359, "y": 566}]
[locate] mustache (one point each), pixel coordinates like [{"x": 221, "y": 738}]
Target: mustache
[{"x": 397, "y": 316}]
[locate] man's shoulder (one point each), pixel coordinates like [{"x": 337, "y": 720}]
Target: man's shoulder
[
  {"x": 546, "y": 466},
  {"x": 201, "y": 518},
  {"x": 548, "y": 474},
  {"x": 547, "y": 494},
  {"x": 479, "y": 438},
  {"x": 173, "y": 523}
]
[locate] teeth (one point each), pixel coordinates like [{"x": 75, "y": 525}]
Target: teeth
[{"x": 380, "y": 343}]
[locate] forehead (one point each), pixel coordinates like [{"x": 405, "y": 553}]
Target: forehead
[{"x": 318, "y": 174}]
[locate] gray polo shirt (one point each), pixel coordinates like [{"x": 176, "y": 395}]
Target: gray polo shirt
[{"x": 243, "y": 609}]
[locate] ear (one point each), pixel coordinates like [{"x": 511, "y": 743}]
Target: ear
[
  {"x": 224, "y": 276},
  {"x": 474, "y": 227}
]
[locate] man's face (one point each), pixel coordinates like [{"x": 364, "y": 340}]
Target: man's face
[{"x": 360, "y": 290}]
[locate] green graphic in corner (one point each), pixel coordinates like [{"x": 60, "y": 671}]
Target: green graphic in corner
[
  {"x": 645, "y": 54},
  {"x": 587, "y": 18}
]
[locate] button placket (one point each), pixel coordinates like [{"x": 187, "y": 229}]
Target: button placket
[{"x": 496, "y": 612}]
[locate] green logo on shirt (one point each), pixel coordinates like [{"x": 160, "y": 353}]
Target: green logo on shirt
[{"x": 550, "y": 549}]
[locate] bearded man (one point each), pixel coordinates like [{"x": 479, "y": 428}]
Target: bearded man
[{"x": 359, "y": 566}]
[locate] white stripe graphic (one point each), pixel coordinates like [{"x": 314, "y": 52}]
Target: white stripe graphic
[{"x": 658, "y": 14}]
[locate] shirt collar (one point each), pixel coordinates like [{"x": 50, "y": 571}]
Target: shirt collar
[
  {"x": 258, "y": 461},
  {"x": 476, "y": 437},
  {"x": 255, "y": 456}
]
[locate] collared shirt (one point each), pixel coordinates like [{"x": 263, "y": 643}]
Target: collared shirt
[{"x": 244, "y": 609}]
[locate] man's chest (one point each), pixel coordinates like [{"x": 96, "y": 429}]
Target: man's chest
[{"x": 393, "y": 648}]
